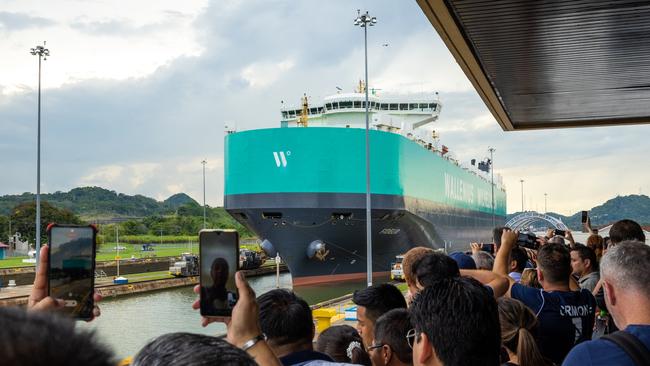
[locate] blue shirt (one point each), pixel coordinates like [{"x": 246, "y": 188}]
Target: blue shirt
[
  {"x": 602, "y": 352},
  {"x": 566, "y": 318}
]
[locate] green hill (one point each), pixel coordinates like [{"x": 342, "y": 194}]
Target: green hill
[{"x": 97, "y": 202}]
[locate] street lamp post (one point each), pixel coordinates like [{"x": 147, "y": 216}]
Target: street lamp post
[
  {"x": 204, "y": 162},
  {"x": 522, "y": 195},
  {"x": 43, "y": 54},
  {"x": 363, "y": 21},
  {"x": 491, "y": 150},
  {"x": 545, "y": 210}
]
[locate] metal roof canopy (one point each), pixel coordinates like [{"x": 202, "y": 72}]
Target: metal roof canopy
[{"x": 552, "y": 64}]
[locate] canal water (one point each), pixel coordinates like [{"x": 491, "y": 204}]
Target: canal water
[{"x": 127, "y": 323}]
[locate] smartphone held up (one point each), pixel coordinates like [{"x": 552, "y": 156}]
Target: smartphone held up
[
  {"x": 71, "y": 267},
  {"x": 219, "y": 258}
]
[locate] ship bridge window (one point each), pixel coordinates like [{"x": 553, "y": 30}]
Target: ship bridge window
[
  {"x": 373, "y": 105},
  {"x": 413, "y": 106},
  {"x": 403, "y": 107},
  {"x": 383, "y": 106},
  {"x": 313, "y": 111},
  {"x": 298, "y": 112},
  {"x": 328, "y": 106},
  {"x": 424, "y": 106},
  {"x": 432, "y": 106},
  {"x": 335, "y": 105},
  {"x": 357, "y": 104},
  {"x": 393, "y": 106},
  {"x": 292, "y": 114},
  {"x": 285, "y": 115},
  {"x": 345, "y": 105},
  {"x": 320, "y": 110}
]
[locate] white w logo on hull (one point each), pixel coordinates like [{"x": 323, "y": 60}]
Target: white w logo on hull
[{"x": 280, "y": 159}]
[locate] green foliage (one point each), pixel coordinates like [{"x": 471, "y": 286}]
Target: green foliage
[
  {"x": 23, "y": 219},
  {"x": 4, "y": 228}
]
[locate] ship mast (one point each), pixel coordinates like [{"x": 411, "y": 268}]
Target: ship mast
[{"x": 302, "y": 121}]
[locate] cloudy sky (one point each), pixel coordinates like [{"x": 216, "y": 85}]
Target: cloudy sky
[{"x": 137, "y": 93}]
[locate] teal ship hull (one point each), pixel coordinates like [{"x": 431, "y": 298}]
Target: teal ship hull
[{"x": 302, "y": 190}]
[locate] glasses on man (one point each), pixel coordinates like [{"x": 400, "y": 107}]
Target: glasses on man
[
  {"x": 374, "y": 346},
  {"x": 410, "y": 337}
]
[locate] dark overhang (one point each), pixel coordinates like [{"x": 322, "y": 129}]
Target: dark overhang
[{"x": 552, "y": 64}]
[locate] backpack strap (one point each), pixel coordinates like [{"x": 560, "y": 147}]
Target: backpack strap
[{"x": 637, "y": 351}]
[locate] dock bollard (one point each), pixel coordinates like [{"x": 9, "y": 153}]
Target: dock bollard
[{"x": 323, "y": 318}]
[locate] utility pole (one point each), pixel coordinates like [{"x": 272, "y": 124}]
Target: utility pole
[
  {"x": 42, "y": 53},
  {"x": 491, "y": 150},
  {"x": 522, "y": 195},
  {"x": 364, "y": 21},
  {"x": 204, "y": 162}
]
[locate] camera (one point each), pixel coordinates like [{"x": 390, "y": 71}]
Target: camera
[{"x": 527, "y": 240}]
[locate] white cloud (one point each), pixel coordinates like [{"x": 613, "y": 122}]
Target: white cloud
[
  {"x": 97, "y": 40},
  {"x": 263, "y": 74},
  {"x": 102, "y": 176}
]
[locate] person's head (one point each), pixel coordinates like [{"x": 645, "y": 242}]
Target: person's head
[
  {"x": 557, "y": 239},
  {"x": 518, "y": 324},
  {"x": 583, "y": 260},
  {"x": 373, "y": 302},
  {"x": 219, "y": 272},
  {"x": 483, "y": 260},
  {"x": 596, "y": 243},
  {"x": 390, "y": 346},
  {"x": 45, "y": 338},
  {"x": 626, "y": 230},
  {"x": 344, "y": 344},
  {"x": 497, "y": 232},
  {"x": 408, "y": 265},
  {"x": 188, "y": 349},
  {"x": 518, "y": 259},
  {"x": 463, "y": 260},
  {"x": 286, "y": 320},
  {"x": 553, "y": 265},
  {"x": 624, "y": 272},
  {"x": 433, "y": 267},
  {"x": 529, "y": 278},
  {"x": 456, "y": 322}
]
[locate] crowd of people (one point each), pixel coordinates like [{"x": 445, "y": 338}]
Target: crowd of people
[{"x": 559, "y": 303}]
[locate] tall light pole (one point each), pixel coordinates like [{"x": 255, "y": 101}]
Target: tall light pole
[
  {"x": 43, "y": 54},
  {"x": 522, "y": 195},
  {"x": 204, "y": 162},
  {"x": 363, "y": 21},
  {"x": 491, "y": 150},
  {"x": 545, "y": 210}
]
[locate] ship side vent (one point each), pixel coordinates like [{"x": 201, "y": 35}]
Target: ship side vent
[{"x": 272, "y": 215}]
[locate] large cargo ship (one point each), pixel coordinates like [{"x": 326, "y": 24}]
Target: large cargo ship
[{"x": 301, "y": 187}]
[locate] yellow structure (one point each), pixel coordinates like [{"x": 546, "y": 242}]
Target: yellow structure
[{"x": 323, "y": 318}]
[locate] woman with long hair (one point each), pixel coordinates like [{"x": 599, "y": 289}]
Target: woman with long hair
[
  {"x": 597, "y": 243},
  {"x": 343, "y": 343},
  {"x": 518, "y": 324}
]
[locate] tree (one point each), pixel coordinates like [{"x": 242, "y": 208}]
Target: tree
[{"x": 23, "y": 219}]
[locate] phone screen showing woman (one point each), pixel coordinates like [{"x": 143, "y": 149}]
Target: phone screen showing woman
[{"x": 219, "y": 256}]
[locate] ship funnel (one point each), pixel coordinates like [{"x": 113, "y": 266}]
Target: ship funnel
[
  {"x": 317, "y": 249},
  {"x": 268, "y": 249}
]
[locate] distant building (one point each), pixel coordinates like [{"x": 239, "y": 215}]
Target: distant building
[
  {"x": 3, "y": 250},
  {"x": 17, "y": 247}
]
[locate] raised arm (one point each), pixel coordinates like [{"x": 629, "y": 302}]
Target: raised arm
[
  {"x": 498, "y": 283},
  {"x": 502, "y": 260}
]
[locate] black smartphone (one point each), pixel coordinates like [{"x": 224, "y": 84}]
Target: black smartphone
[
  {"x": 219, "y": 257},
  {"x": 585, "y": 215},
  {"x": 488, "y": 247},
  {"x": 71, "y": 267},
  {"x": 560, "y": 232}
]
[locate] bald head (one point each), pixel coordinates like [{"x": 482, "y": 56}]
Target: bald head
[{"x": 625, "y": 266}]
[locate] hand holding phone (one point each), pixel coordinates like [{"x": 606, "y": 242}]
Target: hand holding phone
[
  {"x": 219, "y": 257},
  {"x": 71, "y": 268}
]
